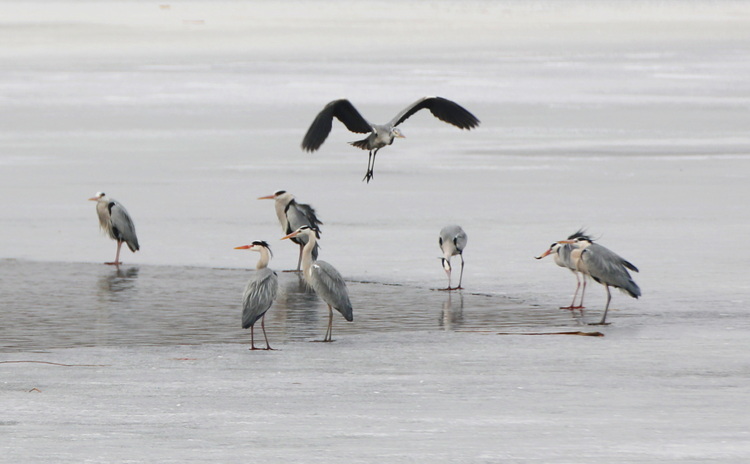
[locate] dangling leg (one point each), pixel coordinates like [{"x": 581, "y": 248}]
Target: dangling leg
[
  {"x": 263, "y": 326},
  {"x": 117, "y": 256},
  {"x": 368, "y": 174},
  {"x": 461, "y": 277},
  {"x": 330, "y": 325}
]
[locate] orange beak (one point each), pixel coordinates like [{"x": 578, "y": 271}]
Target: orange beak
[
  {"x": 94, "y": 199},
  {"x": 267, "y": 197},
  {"x": 243, "y": 247},
  {"x": 546, "y": 253},
  {"x": 293, "y": 234}
]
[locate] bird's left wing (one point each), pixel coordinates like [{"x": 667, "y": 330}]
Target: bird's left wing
[
  {"x": 443, "y": 109},
  {"x": 342, "y": 110}
]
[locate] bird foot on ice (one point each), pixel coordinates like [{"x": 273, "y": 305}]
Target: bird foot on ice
[
  {"x": 114, "y": 263},
  {"x": 292, "y": 270}
]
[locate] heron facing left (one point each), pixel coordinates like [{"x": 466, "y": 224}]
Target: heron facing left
[
  {"x": 116, "y": 222},
  {"x": 260, "y": 291}
]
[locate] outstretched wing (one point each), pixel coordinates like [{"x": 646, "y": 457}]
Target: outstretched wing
[
  {"x": 342, "y": 110},
  {"x": 443, "y": 109},
  {"x": 122, "y": 226},
  {"x": 259, "y": 295}
]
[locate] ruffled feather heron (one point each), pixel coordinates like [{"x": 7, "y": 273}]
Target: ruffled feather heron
[
  {"x": 561, "y": 253},
  {"x": 452, "y": 242},
  {"x": 293, "y": 215},
  {"x": 116, "y": 222}
]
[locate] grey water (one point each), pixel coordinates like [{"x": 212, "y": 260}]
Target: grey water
[{"x": 60, "y": 305}]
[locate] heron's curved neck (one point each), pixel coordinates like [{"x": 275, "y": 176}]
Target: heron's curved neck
[
  {"x": 307, "y": 258},
  {"x": 265, "y": 257}
]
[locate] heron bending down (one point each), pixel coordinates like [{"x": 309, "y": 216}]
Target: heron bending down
[
  {"x": 561, "y": 253},
  {"x": 381, "y": 135},
  {"x": 324, "y": 279},
  {"x": 452, "y": 242},
  {"x": 260, "y": 291},
  {"x": 116, "y": 222},
  {"x": 292, "y": 216},
  {"x": 604, "y": 266}
]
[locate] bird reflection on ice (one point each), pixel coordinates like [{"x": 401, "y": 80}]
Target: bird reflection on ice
[{"x": 163, "y": 305}]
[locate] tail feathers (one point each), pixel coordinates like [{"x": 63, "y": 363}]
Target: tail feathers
[
  {"x": 632, "y": 289},
  {"x": 133, "y": 245},
  {"x": 347, "y": 313},
  {"x": 360, "y": 144}
]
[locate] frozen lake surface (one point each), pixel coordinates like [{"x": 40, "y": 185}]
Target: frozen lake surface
[{"x": 628, "y": 119}]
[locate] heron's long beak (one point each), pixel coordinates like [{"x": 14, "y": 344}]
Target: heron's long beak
[
  {"x": 293, "y": 234},
  {"x": 94, "y": 199},
  {"x": 267, "y": 197},
  {"x": 564, "y": 242},
  {"x": 243, "y": 247},
  {"x": 546, "y": 253}
]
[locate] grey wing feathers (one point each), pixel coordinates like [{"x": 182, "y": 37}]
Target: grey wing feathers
[
  {"x": 259, "y": 295},
  {"x": 443, "y": 109},
  {"x": 330, "y": 286},
  {"x": 298, "y": 215},
  {"x": 342, "y": 110},
  {"x": 453, "y": 234},
  {"x": 607, "y": 267},
  {"x": 122, "y": 226},
  {"x": 460, "y": 241}
]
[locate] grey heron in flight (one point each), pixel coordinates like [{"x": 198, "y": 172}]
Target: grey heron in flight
[
  {"x": 452, "y": 242},
  {"x": 293, "y": 215},
  {"x": 561, "y": 253},
  {"x": 381, "y": 135},
  {"x": 324, "y": 279},
  {"x": 260, "y": 291},
  {"x": 605, "y": 267},
  {"x": 116, "y": 222}
]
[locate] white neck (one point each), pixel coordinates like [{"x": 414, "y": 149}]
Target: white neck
[{"x": 265, "y": 257}]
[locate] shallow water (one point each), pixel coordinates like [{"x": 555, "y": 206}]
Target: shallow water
[{"x": 59, "y": 305}]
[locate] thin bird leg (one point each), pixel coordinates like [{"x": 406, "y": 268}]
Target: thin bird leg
[
  {"x": 117, "y": 256},
  {"x": 263, "y": 326},
  {"x": 575, "y": 294},
  {"x": 330, "y": 325},
  {"x": 252, "y": 337},
  {"x": 461, "y": 277},
  {"x": 583, "y": 292},
  {"x": 368, "y": 174},
  {"x": 606, "y": 308}
]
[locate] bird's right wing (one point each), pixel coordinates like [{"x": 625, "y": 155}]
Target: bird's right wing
[
  {"x": 299, "y": 214},
  {"x": 342, "y": 110},
  {"x": 330, "y": 286}
]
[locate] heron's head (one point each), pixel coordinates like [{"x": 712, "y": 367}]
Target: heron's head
[
  {"x": 304, "y": 230},
  {"x": 257, "y": 245},
  {"x": 98, "y": 196},
  {"x": 396, "y": 132},
  {"x": 275, "y": 195},
  {"x": 553, "y": 249}
]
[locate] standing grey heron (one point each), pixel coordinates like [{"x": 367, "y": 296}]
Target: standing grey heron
[
  {"x": 381, "y": 135},
  {"x": 604, "y": 266},
  {"x": 260, "y": 291},
  {"x": 292, "y": 216},
  {"x": 561, "y": 253},
  {"x": 116, "y": 222},
  {"x": 324, "y": 279},
  {"x": 452, "y": 242}
]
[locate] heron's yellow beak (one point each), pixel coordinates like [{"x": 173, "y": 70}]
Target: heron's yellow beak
[
  {"x": 243, "y": 247},
  {"x": 267, "y": 197},
  {"x": 546, "y": 253},
  {"x": 94, "y": 199},
  {"x": 566, "y": 242},
  {"x": 292, "y": 235}
]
